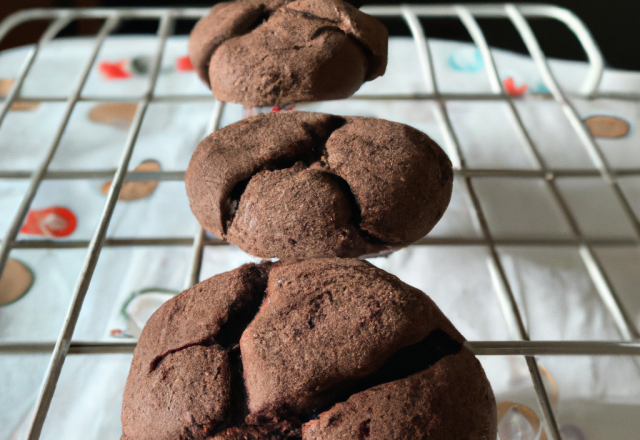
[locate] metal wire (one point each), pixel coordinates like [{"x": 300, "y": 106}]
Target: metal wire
[
  {"x": 145, "y": 176},
  {"x": 603, "y": 285},
  {"x": 64, "y": 340},
  {"x": 426, "y": 241},
  {"x": 624, "y": 322},
  {"x": 479, "y": 348},
  {"x": 411, "y": 14},
  {"x": 177, "y": 98},
  {"x": 501, "y": 283}
]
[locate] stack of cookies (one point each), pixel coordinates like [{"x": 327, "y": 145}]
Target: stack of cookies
[{"x": 318, "y": 345}]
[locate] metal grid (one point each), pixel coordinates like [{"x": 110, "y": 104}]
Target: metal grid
[{"x": 518, "y": 15}]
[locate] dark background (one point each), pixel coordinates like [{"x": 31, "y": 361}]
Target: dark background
[{"x": 615, "y": 25}]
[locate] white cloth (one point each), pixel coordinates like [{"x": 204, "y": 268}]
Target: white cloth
[{"x": 601, "y": 395}]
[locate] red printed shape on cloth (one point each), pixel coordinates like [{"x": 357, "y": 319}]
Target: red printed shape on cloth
[
  {"x": 114, "y": 70},
  {"x": 183, "y": 64},
  {"x": 53, "y": 222},
  {"x": 510, "y": 87},
  {"x": 276, "y": 109}
]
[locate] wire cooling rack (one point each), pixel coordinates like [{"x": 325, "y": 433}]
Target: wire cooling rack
[{"x": 517, "y": 14}]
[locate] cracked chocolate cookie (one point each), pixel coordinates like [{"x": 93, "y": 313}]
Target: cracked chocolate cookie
[
  {"x": 313, "y": 349},
  {"x": 277, "y": 52},
  {"x": 294, "y": 185}
]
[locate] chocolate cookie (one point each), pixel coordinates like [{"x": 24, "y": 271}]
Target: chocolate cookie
[
  {"x": 296, "y": 185},
  {"x": 277, "y": 52},
  {"x": 257, "y": 352}
]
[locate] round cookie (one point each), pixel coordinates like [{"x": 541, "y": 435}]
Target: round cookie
[
  {"x": 294, "y": 185},
  {"x": 277, "y": 52},
  {"x": 255, "y": 353}
]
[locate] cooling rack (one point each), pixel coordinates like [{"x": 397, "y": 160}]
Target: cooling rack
[{"x": 468, "y": 15}]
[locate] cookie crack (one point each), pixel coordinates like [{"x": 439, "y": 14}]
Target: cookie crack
[
  {"x": 273, "y": 429},
  {"x": 316, "y": 157},
  {"x": 403, "y": 363},
  {"x": 241, "y": 313},
  {"x": 159, "y": 358},
  {"x": 239, "y": 399},
  {"x": 324, "y": 29},
  {"x": 342, "y": 26},
  {"x": 356, "y": 213},
  {"x": 310, "y": 16},
  {"x": 315, "y": 154},
  {"x": 264, "y": 14},
  {"x": 242, "y": 30},
  {"x": 238, "y": 190}
]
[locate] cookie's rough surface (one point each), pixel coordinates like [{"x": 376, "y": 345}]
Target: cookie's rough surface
[
  {"x": 180, "y": 381},
  {"x": 277, "y": 52},
  {"x": 438, "y": 403},
  {"x": 158, "y": 404},
  {"x": 328, "y": 322},
  {"x": 255, "y": 352},
  {"x": 295, "y": 185}
]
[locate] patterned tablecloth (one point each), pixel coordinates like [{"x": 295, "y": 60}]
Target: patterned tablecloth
[{"x": 599, "y": 395}]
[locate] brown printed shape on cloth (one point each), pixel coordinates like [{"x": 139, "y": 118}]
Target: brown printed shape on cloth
[
  {"x": 279, "y": 52},
  {"x": 136, "y": 190},
  {"x": 15, "y": 281},
  {"x": 6, "y": 84},
  {"x": 295, "y": 185},
  {"x": 327, "y": 331}
]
